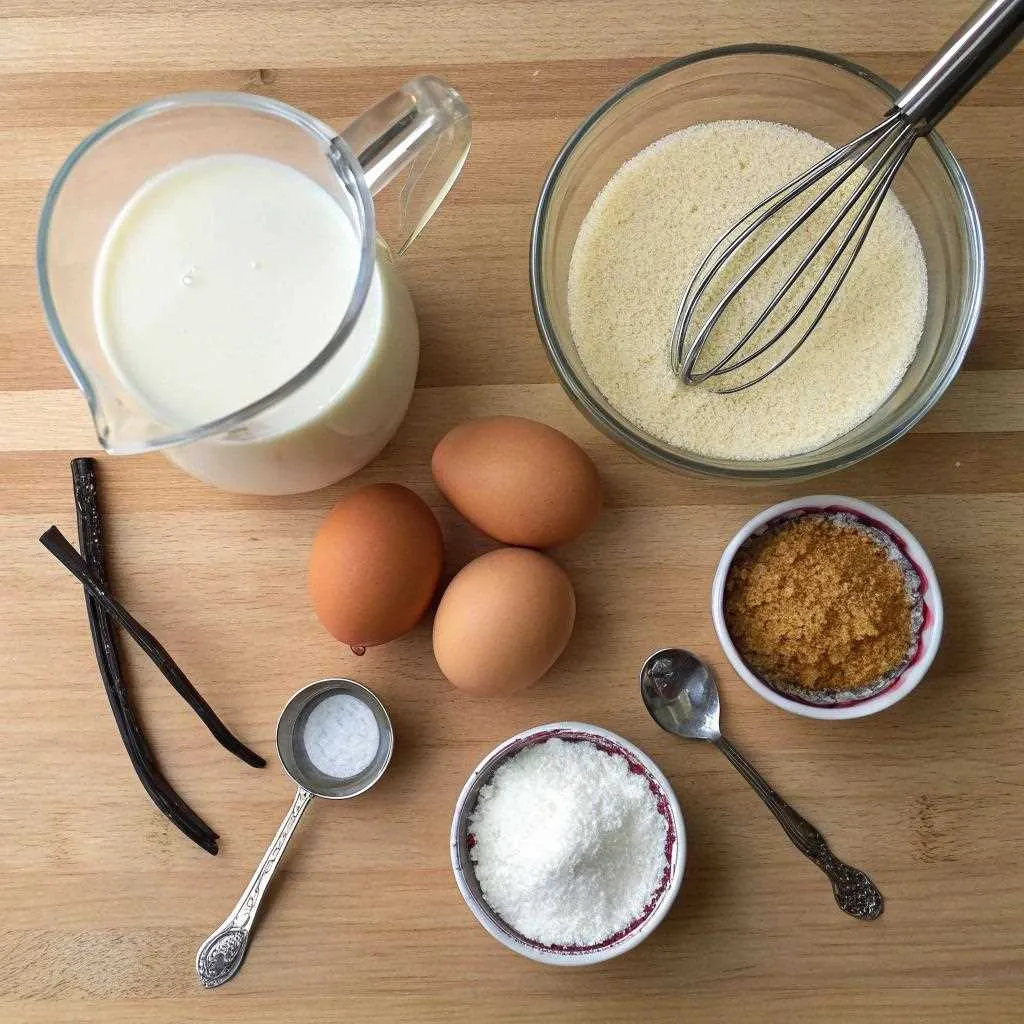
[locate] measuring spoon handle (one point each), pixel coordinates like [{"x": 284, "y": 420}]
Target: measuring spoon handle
[
  {"x": 221, "y": 955},
  {"x": 855, "y": 893}
]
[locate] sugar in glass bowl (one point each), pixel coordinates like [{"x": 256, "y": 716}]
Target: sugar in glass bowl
[
  {"x": 461, "y": 844},
  {"x": 832, "y": 99}
]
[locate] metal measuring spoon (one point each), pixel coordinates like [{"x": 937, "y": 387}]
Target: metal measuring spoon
[
  {"x": 221, "y": 955},
  {"x": 680, "y": 693}
]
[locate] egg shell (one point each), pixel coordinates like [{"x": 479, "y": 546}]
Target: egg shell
[
  {"x": 519, "y": 481},
  {"x": 503, "y": 622},
  {"x": 375, "y": 564}
]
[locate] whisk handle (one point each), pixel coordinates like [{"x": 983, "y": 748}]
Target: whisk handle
[{"x": 982, "y": 41}]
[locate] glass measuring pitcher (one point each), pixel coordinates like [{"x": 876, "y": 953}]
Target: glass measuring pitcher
[{"x": 212, "y": 275}]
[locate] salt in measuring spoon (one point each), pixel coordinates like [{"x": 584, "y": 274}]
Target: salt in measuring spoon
[
  {"x": 221, "y": 955},
  {"x": 680, "y": 694}
]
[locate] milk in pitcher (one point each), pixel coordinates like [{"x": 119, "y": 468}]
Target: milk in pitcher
[{"x": 220, "y": 280}]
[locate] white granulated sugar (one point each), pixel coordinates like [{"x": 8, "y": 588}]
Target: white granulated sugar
[
  {"x": 643, "y": 239},
  {"x": 569, "y": 843},
  {"x": 341, "y": 736}
]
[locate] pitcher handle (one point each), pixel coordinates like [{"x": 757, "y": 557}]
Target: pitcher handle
[{"x": 424, "y": 129}]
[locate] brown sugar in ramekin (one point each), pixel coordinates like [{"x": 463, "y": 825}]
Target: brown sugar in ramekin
[{"x": 822, "y": 602}]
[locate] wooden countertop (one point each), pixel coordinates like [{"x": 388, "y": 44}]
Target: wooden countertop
[{"x": 102, "y": 902}]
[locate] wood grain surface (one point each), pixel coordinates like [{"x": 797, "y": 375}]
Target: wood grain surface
[{"x": 102, "y": 902}]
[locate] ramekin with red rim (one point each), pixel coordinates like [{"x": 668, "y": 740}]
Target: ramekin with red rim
[
  {"x": 674, "y": 852},
  {"x": 927, "y": 636}
]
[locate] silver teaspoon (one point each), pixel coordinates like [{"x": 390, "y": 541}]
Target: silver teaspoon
[{"x": 680, "y": 693}]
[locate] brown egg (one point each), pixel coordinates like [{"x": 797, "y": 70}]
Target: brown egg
[
  {"x": 375, "y": 564},
  {"x": 503, "y": 622},
  {"x": 522, "y": 482}
]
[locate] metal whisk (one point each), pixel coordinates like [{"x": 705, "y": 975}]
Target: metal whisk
[{"x": 869, "y": 163}]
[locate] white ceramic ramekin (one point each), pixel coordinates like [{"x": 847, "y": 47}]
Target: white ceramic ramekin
[
  {"x": 931, "y": 628},
  {"x": 675, "y": 853}
]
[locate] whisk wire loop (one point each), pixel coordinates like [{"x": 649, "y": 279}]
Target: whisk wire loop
[
  {"x": 726, "y": 249},
  {"x": 877, "y": 178},
  {"x": 969, "y": 54},
  {"x": 865, "y": 217}
]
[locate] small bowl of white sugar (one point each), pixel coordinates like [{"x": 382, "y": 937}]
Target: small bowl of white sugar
[{"x": 568, "y": 844}]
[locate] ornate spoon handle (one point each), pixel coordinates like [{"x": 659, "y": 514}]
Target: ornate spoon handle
[
  {"x": 855, "y": 893},
  {"x": 220, "y": 956}
]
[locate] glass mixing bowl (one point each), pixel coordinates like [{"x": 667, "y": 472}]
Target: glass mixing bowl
[{"x": 832, "y": 99}]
